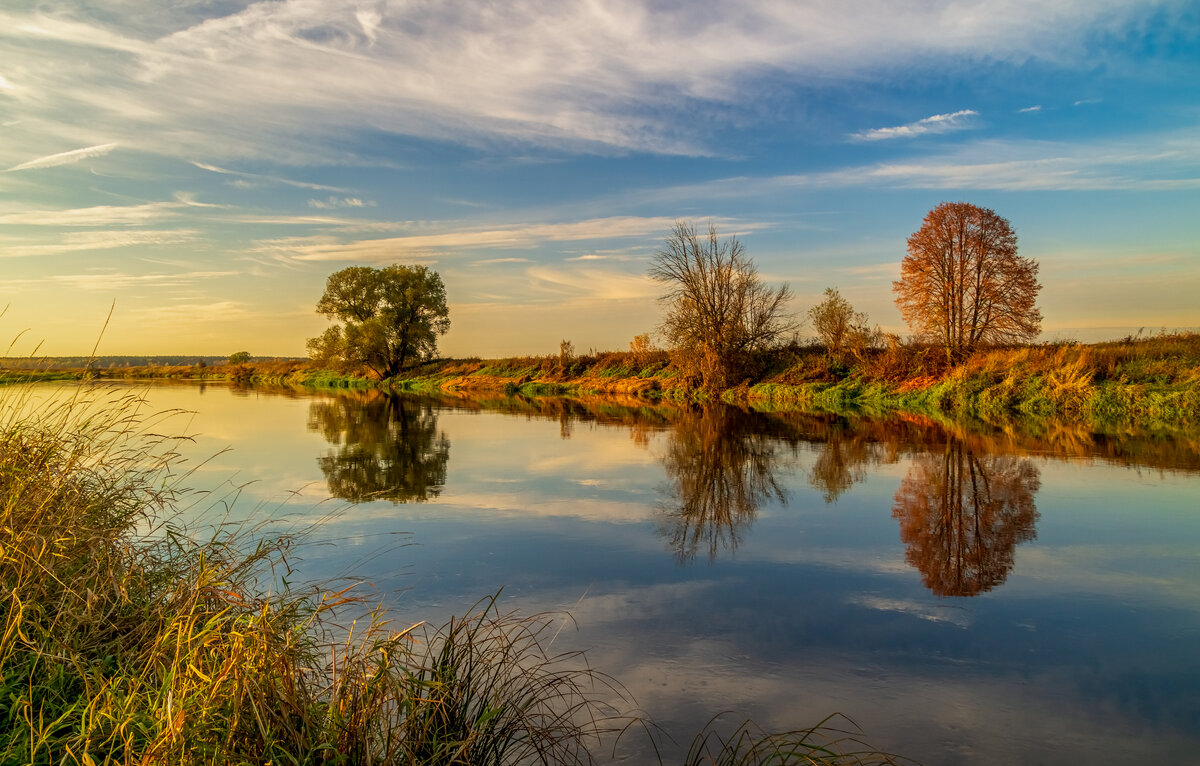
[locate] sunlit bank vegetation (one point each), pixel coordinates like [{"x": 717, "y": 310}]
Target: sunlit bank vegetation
[
  {"x": 1146, "y": 378},
  {"x": 1155, "y": 378},
  {"x": 127, "y": 639}
]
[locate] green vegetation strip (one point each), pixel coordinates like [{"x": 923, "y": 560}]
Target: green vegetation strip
[{"x": 1150, "y": 381}]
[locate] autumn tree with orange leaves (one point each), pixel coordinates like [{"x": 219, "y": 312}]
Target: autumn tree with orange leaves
[{"x": 963, "y": 283}]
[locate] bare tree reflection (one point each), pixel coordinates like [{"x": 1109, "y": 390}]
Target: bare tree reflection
[
  {"x": 843, "y": 460},
  {"x": 721, "y": 465},
  {"x": 962, "y": 515},
  {"x": 383, "y": 448}
]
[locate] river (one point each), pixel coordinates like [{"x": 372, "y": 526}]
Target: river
[{"x": 966, "y": 593}]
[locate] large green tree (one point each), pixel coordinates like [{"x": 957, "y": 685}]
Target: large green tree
[{"x": 390, "y": 317}]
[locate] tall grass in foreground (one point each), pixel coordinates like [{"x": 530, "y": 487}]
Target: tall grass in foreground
[{"x": 124, "y": 640}]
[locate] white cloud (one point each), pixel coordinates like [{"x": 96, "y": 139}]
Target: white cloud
[
  {"x": 289, "y": 79},
  {"x": 65, "y": 158},
  {"x": 490, "y": 261},
  {"x": 109, "y": 281},
  {"x": 102, "y": 215},
  {"x": 593, "y": 283},
  {"x": 619, "y": 255},
  {"x": 260, "y": 177},
  {"x": 938, "y": 123},
  {"x": 299, "y": 220},
  {"x": 939, "y": 612},
  {"x": 338, "y": 202},
  {"x": 1031, "y": 166},
  {"x": 74, "y": 242},
  {"x": 1154, "y": 161},
  {"x": 328, "y": 248},
  {"x": 1029, "y": 109}
]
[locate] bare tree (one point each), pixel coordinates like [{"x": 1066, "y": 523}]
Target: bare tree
[
  {"x": 963, "y": 282},
  {"x": 718, "y": 309},
  {"x": 722, "y": 464}
]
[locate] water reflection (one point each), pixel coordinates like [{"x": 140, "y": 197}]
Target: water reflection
[
  {"x": 721, "y": 464},
  {"x": 814, "y": 601},
  {"x": 962, "y": 515},
  {"x": 383, "y": 447},
  {"x": 962, "y": 508},
  {"x": 847, "y": 451},
  {"x": 964, "y": 505}
]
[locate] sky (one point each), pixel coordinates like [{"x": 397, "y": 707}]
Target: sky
[{"x": 181, "y": 178}]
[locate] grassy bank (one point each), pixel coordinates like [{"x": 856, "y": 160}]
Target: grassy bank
[
  {"x": 1154, "y": 379},
  {"x": 128, "y": 640}
]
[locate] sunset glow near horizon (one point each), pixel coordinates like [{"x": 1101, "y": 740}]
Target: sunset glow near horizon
[{"x": 202, "y": 167}]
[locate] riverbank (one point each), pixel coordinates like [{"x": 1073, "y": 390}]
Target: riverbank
[{"x": 1150, "y": 380}]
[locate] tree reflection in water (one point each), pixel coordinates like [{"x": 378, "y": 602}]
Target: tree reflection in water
[
  {"x": 962, "y": 515},
  {"x": 721, "y": 466},
  {"x": 846, "y": 452},
  {"x": 384, "y": 447}
]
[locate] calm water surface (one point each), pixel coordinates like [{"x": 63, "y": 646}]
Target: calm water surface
[{"x": 968, "y": 595}]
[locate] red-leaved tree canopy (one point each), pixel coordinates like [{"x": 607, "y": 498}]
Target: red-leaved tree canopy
[{"x": 963, "y": 283}]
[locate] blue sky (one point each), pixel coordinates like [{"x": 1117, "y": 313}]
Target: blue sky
[{"x": 205, "y": 165}]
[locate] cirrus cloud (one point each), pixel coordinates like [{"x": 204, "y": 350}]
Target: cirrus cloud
[
  {"x": 290, "y": 79},
  {"x": 938, "y": 123},
  {"x": 65, "y": 158}
]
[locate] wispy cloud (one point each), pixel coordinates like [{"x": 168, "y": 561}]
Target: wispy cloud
[
  {"x": 74, "y": 242},
  {"x": 491, "y": 261},
  {"x": 65, "y": 158},
  {"x": 216, "y": 312},
  {"x": 602, "y": 257},
  {"x": 593, "y": 283},
  {"x": 266, "y": 178},
  {"x": 874, "y": 270},
  {"x": 338, "y": 202},
  {"x": 290, "y": 79},
  {"x": 110, "y": 281},
  {"x": 1154, "y": 161},
  {"x": 1029, "y": 109},
  {"x": 101, "y": 215},
  {"x": 328, "y": 248},
  {"x": 932, "y": 612},
  {"x": 938, "y": 123},
  {"x": 346, "y": 224}
]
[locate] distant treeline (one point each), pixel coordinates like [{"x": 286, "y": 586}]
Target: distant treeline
[{"x": 113, "y": 362}]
